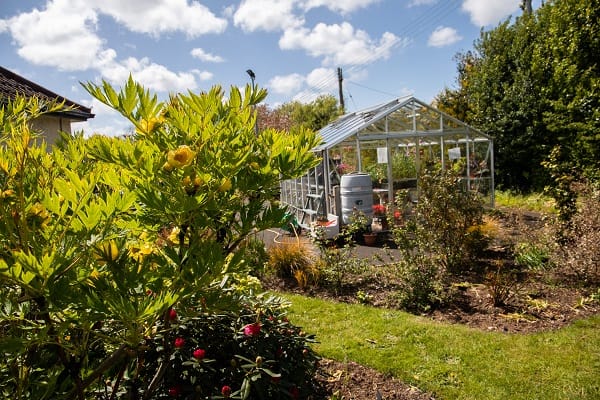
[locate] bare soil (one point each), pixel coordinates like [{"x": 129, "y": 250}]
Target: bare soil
[{"x": 539, "y": 301}]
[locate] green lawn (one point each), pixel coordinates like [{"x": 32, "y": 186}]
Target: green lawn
[{"x": 455, "y": 362}]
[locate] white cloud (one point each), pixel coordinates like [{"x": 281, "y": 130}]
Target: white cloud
[
  {"x": 322, "y": 78},
  {"x": 286, "y": 85},
  {"x": 267, "y": 15},
  {"x": 489, "y": 12},
  {"x": 416, "y": 3},
  {"x": 158, "y": 16},
  {"x": 203, "y": 75},
  {"x": 443, "y": 36},
  {"x": 61, "y": 36},
  {"x": 204, "y": 56},
  {"x": 308, "y": 96},
  {"x": 344, "y": 7},
  {"x": 339, "y": 43},
  {"x": 152, "y": 76}
]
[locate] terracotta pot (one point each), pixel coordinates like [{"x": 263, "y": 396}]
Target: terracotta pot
[{"x": 370, "y": 238}]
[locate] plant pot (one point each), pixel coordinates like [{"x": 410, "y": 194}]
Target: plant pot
[{"x": 370, "y": 238}]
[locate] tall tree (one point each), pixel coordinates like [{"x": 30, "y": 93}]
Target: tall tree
[
  {"x": 314, "y": 115},
  {"x": 533, "y": 85}
]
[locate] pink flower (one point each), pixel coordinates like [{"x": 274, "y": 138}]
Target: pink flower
[
  {"x": 252, "y": 329},
  {"x": 226, "y": 391},
  {"x": 179, "y": 342},
  {"x": 172, "y": 314},
  {"x": 199, "y": 354}
]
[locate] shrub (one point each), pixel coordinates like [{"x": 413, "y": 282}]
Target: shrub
[
  {"x": 423, "y": 284},
  {"x": 101, "y": 237},
  {"x": 255, "y": 255},
  {"x": 444, "y": 234},
  {"x": 445, "y": 221},
  {"x": 580, "y": 249},
  {"x": 256, "y": 353},
  {"x": 502, "y": 282},
  {"x": 532, "y": 256}
]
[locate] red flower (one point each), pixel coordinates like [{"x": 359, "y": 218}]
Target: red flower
[
  {"x": 226, "y": 391},
  {"x": 396, "y": 214},
  {"x": 199, "y": 354},
  {"x": 172, "y": 314},
  {"x": 379, "y": 209},
  {"x": 252, "y": 329},
  {"x": 174, "y": 391},
  {"x": 179, "y": 342},
  {"x": 294, "y": 392}
]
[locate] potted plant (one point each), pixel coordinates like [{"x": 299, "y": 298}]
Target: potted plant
[
  {"x": 379, "y": 211},
  {"x": 360, "y": 223}
]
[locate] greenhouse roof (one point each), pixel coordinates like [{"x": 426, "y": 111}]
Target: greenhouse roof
[{"x": 405, "y": 117}]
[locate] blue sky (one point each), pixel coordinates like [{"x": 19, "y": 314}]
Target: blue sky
[{"x": 385, "y": 48}]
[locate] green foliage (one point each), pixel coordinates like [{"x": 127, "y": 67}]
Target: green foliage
[
  {"x": 538, "y": 202},
  {"x": 443, "y": 236},
  {"x": 424, "y": 282},
  {"x": 256, "y": 352},
  {"x": 403, "y": 166},
  {"x": 532, "y": 257},
  {"x": 561, "y": 188},
  {"x": 314, "y": 115},
  {"x": 446, "y": 221},
  {"x": 99, "y": 238},
  {"x": 533, "y": 85}
]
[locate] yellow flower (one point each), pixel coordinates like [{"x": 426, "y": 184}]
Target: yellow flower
[
  {"x": 148, "y": 126},
  {"x": 37, "y": 214},
  {"x": 225, "y": 185},
  {"x": 107, "y": 252},
  {"x": 181, "y": 157},
  {"x": 138, "y": 253}
]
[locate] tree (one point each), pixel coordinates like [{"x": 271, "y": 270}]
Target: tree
[
  {"x": 314, "y": 115},
  {"x": 533, "y": 85}
]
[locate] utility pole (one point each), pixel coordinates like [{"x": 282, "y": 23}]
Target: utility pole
[
  {"x": 526, "y": 7},
  {"x": 340, "y": 79}
]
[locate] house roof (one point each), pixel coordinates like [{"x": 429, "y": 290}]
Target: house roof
[
  {"x": 12, "y": 84},
  {"x": 403, "y": 118}
]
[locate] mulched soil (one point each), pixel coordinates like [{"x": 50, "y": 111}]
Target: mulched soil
[{"x": 541, "y": 301}]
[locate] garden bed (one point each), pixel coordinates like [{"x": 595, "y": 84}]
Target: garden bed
[{"x": 543, "y": 300}]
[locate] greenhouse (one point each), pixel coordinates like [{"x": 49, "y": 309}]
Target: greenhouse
[{"x": 371, "y": 159}]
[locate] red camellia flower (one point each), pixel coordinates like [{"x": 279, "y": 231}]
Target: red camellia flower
[
  {"x": 172, "y": 314},
  {"x": 199, "y": 354},
  {"x": 174, "y": 391},
  {"x": 226, "y": 391},
  {"x": 294, "y": 392},
  {"x": 179, "y": 342},
  {"x": 252, "y": 329}
]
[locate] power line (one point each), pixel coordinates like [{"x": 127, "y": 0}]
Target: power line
[{"x": 414, "y": 29}]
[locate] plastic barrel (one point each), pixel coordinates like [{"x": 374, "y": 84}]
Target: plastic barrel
[{"x": 356, "y": 192}]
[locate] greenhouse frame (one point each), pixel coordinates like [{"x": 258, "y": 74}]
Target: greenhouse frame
[{"x": 407, "y": 131}]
